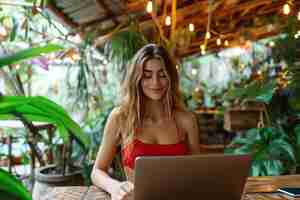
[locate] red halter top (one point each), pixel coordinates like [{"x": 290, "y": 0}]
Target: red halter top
[{"x": 139, "y": 148}]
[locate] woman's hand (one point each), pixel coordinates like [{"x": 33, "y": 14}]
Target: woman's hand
[{"x": 122, "y": 190}]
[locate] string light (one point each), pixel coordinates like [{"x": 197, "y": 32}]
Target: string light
[
  {"x": 191, "y": 27},
  {"x": 207, "y": 35},
  {"x": 194, "y": 71},
  {"x": 219, "y": 41},
  {"x": 168, "y": 21},
  {"x": 202, "y": 47},
  {"x": 149, "y": 7},
  {"x": 272, "y": 44},
  {"x": 286, "y": 9},
  {"x": 226, "y": 43}
]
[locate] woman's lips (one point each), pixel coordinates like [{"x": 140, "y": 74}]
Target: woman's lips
[{"x": 157, "y": 90}]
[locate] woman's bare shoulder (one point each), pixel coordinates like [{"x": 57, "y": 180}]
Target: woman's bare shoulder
[
  {"x": 186, "y": 118},
  {"x": 116, "y": 113}
]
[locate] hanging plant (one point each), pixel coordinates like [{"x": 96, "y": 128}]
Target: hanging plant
[{"x": 123, "y": 46}]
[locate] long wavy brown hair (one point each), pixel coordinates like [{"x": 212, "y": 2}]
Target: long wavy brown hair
[{"x": 132, "y": 106}]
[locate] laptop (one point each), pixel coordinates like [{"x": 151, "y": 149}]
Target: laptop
[{"x": 212, "y": 177}]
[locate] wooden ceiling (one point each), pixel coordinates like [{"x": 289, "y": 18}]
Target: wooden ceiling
[{"x": 234, "y": 20}]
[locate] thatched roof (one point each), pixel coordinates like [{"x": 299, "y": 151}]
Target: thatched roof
[{"x": 232, "y": 20}]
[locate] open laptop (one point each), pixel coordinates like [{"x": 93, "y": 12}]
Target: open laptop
[{"x": 204, "y": 177}]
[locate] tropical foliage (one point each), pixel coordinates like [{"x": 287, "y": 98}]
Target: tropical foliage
[
  {"x": 40, "y": 109},
  {"x": 272, "y": 154},
  {"x": 11, "y": 186}
]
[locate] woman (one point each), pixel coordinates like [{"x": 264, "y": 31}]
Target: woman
[{"x": 151, "y": 120}]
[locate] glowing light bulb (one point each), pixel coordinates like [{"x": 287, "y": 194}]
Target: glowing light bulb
[
  {"x": 272, "y": 44},
  {"x": 191, "y": 27},
  {"x": 203, "y": 52},
  {"x": 194, "y": 71},
  {"x": 226, "y": 43},
  {"x": 207, "y": 35},
  {"x": 202, "y": 47},
  {"x": 299, "y": 15},
  {"x": 168, "y": 21},
  {"x": 286, "y": 9},
  {"x": 149, "y": 7},
  {"x": 219, "y": 41}
]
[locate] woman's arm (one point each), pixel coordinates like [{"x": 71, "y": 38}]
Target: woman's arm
[
  {"x": 104, "y": 159},
  {"x": 189, "y": 122}
]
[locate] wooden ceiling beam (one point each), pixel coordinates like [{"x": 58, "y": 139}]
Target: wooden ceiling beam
[
  {"x": 61, "y": 16},
  {"x": 103, "y": 4}
]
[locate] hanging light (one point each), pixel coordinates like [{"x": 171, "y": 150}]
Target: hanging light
[
  {"x": 197, "y": 89},
  {"x": 272, "y": 44},
  {"x": 219, "y": 41},
  {"x": 286, "y": 9},
  {"x": 194, "y": 71},
  {"x": 149, "y": 7},
  {"x": 299, "y": 15},
  {"x": 203, "y": 52},
  {"x": 207, "y": 35},
  {"x": 168, "y": 21},
  {"x": 191, "y": 27},
  {"x": 226, "y": 43},
  {"x": 202, "y": 47}
]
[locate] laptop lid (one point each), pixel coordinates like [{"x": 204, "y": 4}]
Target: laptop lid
[{"x": 212, "y": 177}]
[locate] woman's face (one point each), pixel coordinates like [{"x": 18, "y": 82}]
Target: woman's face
[{"x": 154, "y": 80}]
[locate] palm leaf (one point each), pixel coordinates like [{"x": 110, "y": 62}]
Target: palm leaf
[
  {"x": 9, "y": 184},
  {"x": 28, "y": 54},
  {"x": 43, "y": 110}
]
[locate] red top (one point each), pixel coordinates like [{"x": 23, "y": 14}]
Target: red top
[{"x": 140, "y": 148}]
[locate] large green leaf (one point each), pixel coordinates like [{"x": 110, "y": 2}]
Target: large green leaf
[
  {"x": 28, "y": 54},
  {"x": 9, "y": 184},
  {"x": 41, "y": 109}
]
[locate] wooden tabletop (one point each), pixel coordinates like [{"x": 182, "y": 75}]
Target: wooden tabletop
[{"x": 257, "y": 188}]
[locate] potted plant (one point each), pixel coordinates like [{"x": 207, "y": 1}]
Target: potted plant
[{"x": 272, "y": 154}]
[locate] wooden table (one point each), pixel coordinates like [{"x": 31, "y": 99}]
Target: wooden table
[{"x": 257, "y": 188}]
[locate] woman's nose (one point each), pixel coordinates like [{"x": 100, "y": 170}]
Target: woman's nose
[{"x": 155, "y": 80}]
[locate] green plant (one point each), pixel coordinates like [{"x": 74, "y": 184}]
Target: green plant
[
  {"x": 272, "y": 154},
  {"x": 40, "y": 109},
  {"x": 123, "y": 45},
  {"x": 10, "y": 186},
  {"x": 28, "y": 54}
]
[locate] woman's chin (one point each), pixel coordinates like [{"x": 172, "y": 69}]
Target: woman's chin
[{"x": 155, "y": 97}]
